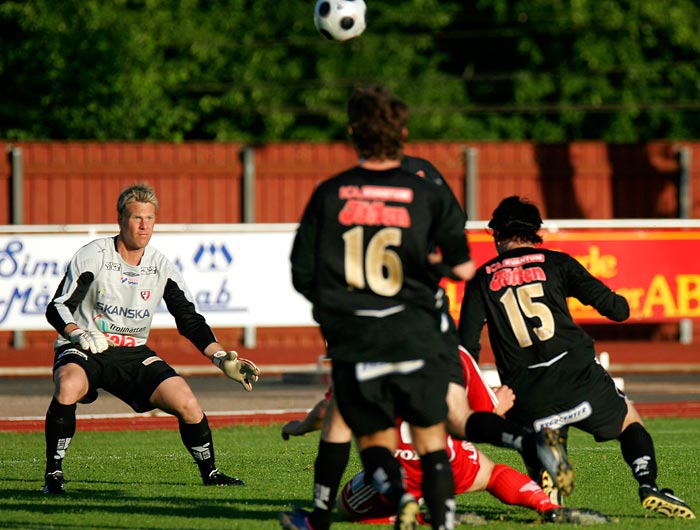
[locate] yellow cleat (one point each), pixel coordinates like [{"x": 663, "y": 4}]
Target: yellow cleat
[{"x": 664, "y": 502}]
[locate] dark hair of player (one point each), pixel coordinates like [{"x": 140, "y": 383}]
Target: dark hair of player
[
  {"x": 377, "y": 120},
  {"x": 516, "y": 218}
]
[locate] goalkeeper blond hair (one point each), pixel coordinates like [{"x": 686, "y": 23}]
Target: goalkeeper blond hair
[{"x": 137, "y": 193}]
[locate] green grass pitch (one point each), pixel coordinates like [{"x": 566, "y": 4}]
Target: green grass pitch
[{"x": 146, "y": 480}]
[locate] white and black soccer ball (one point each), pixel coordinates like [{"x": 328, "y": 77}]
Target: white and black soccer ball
[{"x": 340, "y": 19}]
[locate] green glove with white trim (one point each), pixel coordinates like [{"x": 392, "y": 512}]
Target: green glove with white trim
[{"x": 238, "y": 369}]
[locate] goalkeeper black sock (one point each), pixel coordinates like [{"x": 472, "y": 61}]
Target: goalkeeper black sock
[
  {"x": 638, "y": 451},
  {"x": 59, "y": 430},
  {"x": 197, "y": 438},
  {"x": 329, "y": 467},
  {"x": 438, "y": 488},
  {"x": 384, "y": 472}
]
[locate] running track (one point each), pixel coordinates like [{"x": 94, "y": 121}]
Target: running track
[{"x": 663, "y": 381}]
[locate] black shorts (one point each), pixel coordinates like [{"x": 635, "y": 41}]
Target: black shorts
[
  {"x": 599, "y": 409},
  {"x": 411, "y": 333},
  {"x": 455, "y": 368},
  {"x": 371, "y": 396},
  {"x": 131, "y": 374}
]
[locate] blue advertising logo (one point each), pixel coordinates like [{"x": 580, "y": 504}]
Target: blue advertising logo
[{"x": 212, "y": 257}]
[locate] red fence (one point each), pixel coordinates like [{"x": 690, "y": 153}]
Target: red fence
[{"x": 76, "y": 183}]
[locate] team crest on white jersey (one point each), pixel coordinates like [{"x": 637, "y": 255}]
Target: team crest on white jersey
[{"x": 145, "y": 295}]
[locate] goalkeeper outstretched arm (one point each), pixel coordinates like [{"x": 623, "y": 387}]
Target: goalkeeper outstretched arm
[{"x": 241, "y": 370}]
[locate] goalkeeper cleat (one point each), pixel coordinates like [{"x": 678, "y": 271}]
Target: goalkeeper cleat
[
  {"x": 552, "y": 454},
  {"x": 217, "y": 478},
  {"x": 664, "y": 502},
  {"x": 407, "y": 513},
  {"x": 54, "y": 483},
  {"x": 298, "y": 519},
  {"x": 550, "y": 489},
  {"x": 582, "y": 516}
]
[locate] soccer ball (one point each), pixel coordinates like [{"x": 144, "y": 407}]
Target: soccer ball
[{"x": 340, "y": 19}]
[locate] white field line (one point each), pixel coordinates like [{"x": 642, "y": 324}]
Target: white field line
[
  {"x": 185, "y": 370},
  {"x": 159, "y": 414}
]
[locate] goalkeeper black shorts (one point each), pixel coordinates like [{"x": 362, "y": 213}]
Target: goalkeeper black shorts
[{"x": 129, "y": 373}]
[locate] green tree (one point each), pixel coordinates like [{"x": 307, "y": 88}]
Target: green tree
[
  {"x": 559, "y": 70},
  {"x": 80, "y": 69},
  {"x": 543, "y": 70},
  {"x": 228, "y": 69}
]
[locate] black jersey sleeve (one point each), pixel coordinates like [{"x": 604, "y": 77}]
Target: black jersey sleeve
[
  {"x": 190, "y": 323},
  {"x": 303, "y": 256},
  {"x": 589, "y": 290},
  {"x": 60, "y": 309},
  {"x": 442, "y": 270},
  {"x": 451, "y": 237},
  {"x": 424, "y": 168},
  {"x": 472, "y": 317}
]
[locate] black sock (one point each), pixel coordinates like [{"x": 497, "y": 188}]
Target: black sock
[
  {"x": 487, "y": 427},
  {"x": 59, "y": 430},
  {"x": 384, "y": 472},
  {"x": 197, "y": 438},
  {"x": 438, "y": 488},
  {"x": 638, "y": 451},
  {"x": 329, "y": 467}
]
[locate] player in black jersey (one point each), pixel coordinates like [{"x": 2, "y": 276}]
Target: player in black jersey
[
  {"x": 361, "y": 257},
  {"x": 544, "y": 356},
  {"x": 102, "y": 310},
  {"x": 336, "y": 437}
]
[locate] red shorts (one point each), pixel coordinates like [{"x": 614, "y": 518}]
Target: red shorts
[{"x": 479, "y": 394}]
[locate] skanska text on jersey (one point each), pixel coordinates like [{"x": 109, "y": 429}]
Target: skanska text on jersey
[{"x": 127, "y": 312}]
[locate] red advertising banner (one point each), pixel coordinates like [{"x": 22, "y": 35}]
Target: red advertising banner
[{"x": 657, "y": 270}]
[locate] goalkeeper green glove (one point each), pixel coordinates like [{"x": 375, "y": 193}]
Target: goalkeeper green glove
[{"x": 241, "y": 370}]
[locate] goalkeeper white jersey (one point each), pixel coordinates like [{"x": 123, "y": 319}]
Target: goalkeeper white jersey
[{"x": 101, "y": 292}]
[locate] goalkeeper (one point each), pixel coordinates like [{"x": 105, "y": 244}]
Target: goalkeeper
[{"x": 102, "y": 311}]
